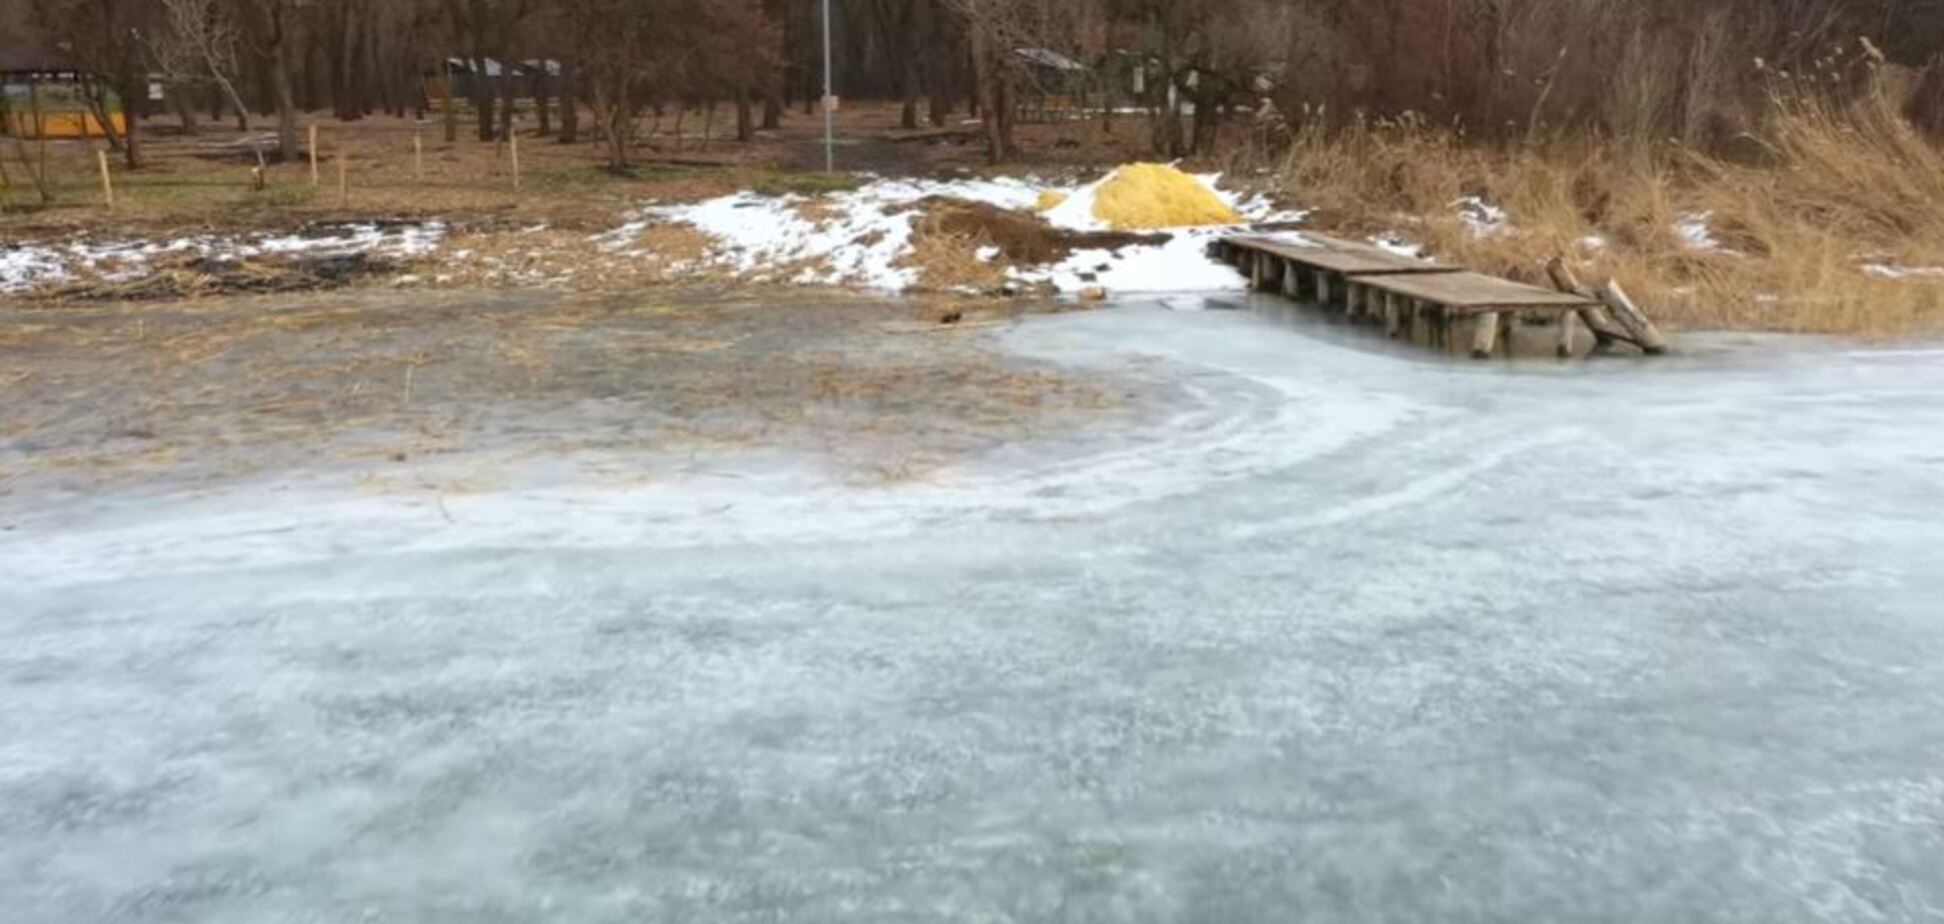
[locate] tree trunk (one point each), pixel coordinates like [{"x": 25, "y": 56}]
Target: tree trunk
[
  {"x": 745, "y": 116},
  {"x": 619, "y": 128},
  {"x": 995, "y": 96},
  {"x": 235, "y": 101},
  {"x": 507, "y": 99},
  {"x": 1208, "y": 115},
  {"x": 179, "y": 98},
  {"x": 772, "y": 110},
  {"x": 483, "y": 97},
  {"x": 451, "y": 111},
  {"x": 346, "y": 102},
  {"x": 543, "y": 100},
  {"x": 97, "y": 94},
  {"x": 569, "y": 101},
  {"x": 134, "y": 104},
  {"x": 285, "y": 97},
  {"x": 908, "y": 89}
]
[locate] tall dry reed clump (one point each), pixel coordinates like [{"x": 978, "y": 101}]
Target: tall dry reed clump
[{"x": 1828, "y": 218}]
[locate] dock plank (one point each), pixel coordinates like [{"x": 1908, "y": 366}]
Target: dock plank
[
  {"x": 1476, "y": 293},
  {"x": 1347, "y": 258}
]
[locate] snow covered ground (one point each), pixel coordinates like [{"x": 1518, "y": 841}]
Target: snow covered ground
[
  {"x": 861, "y": 236},
  {"x": 26, "y": 266},
  {"x": 1333, "y": 632}
]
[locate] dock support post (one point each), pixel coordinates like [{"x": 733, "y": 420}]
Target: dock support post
[
  {"x": 1323, "y": 288},
  {"x": 1568, "y": 330},
  {"x": 1485, "y": 334},
  {"x": 1256, "y": 262},
  {"x": 1392, "y": 325},
  {"x": 1292, "y": 280}
]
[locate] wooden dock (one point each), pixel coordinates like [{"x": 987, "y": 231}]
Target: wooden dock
[{"x": 1439, "y": 305}]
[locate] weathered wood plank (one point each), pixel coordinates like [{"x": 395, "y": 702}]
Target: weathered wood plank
[
  {"x": 1485, "y": 333},
  {"x": 1605, "y": 332},
  {"x": 1338, "y": 256},
  {"x": 1470, "y": 293}
]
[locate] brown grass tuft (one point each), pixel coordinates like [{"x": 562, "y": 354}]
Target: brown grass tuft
[
  {"x": 674, "y": 243},
  {"x": 948, "y": 261},
  {"x": 1839, "y": 185}
]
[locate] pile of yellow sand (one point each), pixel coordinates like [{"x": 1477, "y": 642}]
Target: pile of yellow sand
[{"x": 1143, "y": 197}]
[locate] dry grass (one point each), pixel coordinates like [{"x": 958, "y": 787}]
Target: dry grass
[
  {"x": 203, "y": 181},
  {"x": 949, "y": 262},
  {"x": 1841, "y": 182},
  {"x": 211, "y": 389}
]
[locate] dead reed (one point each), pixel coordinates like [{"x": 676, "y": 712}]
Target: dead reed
[{"x": 1829, "y": 219}]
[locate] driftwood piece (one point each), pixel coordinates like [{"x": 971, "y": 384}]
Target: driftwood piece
[
  {"x": 1632, "y": 318},
  {"x": 1605, "y": 331}
]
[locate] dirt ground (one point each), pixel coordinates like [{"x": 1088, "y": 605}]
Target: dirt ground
[
  {"x": 202, "y": 181},
  {"x": 396, "y": 384}
]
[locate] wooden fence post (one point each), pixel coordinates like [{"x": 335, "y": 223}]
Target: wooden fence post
[
  {"x": 107, "y": 182},
  {"x": 513, "y": 143},
  {"x": 344, "y": 181},
  {"x": 313, "y": 154},
  {"x": 418, "y": 155}
]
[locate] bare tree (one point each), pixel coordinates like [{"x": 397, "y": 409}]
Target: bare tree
[
  {"x": 272, "y": 25},
  {"x": 995, "y": 28},
  {"x": 197, "y": 42},
  {"x": 105, "y": 36}
]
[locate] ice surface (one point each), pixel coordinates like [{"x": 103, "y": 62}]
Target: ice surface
[{"x": 1338, "y": 634}]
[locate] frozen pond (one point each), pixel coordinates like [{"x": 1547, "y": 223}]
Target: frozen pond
[{"x": 1328, "y": 632}]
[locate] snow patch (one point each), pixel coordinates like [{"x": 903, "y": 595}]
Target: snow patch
[
  {"x": 860, "y": 237},
  {"x": 27, "y": 266},
  {"x": 1893, "y": 271},
  {"x": 1482, "y": 218},
  {"x": 1694, "y": 231},
  {"x": 1399, "y": 246}
]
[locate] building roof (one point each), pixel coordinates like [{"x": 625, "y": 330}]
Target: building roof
[
  {"x": 1046, "y": 57},
  {"x": 21, "y": 59},
  {"x": 494, "y": 68}
]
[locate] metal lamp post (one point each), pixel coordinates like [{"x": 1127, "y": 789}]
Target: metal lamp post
[{"x": 829, "y": 100}]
